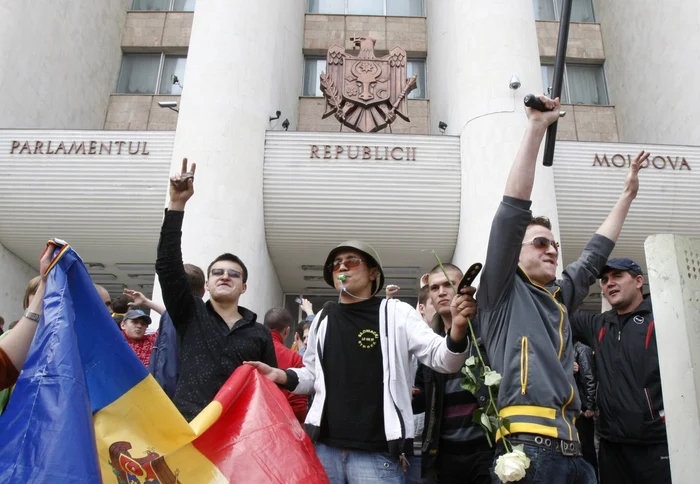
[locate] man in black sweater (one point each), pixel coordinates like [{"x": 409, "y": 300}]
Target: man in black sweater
[{"x": 218, "y": 335}]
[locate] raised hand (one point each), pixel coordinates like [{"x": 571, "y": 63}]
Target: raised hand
[
  {"x": 632, "y": 180},
  {"x": 463, "y": 307},
  {"x": 307, "y": 307},
  {"x": 391, "y": 290},
  {"x": 138, "y": 299},
  {"x": 547, "y": 117},
  {"x": 182, "y": 186}
]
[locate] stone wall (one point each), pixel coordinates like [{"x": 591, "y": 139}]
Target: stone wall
[
  {"x": 322, "y": 31},
  {"x": 139, "y": 112},
  {"x": 148, "y": 31},
  {"x": 585, "y": 42},
  {"x": 588, "y": 123}
]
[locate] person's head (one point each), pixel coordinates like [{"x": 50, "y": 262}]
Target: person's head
[
  {"x": 539, "y": 254},
  {"x": 301, "y": 335},
  {"x": 425, "y": 304},
  {"x": 135, "y": 323},
  {"x": 621, "y": 281},
  {"x": 104, "y": 295},
  {"x": 195, "y": 275},
  {"x": 226, "y": 279},
  {"x": 278, "y": 320},
  {"x": 441, "y": 292},
  {"x": 120, "y": 305},
  {"x": 30, "y": 291},
  {"x": 359, "y": 267}
]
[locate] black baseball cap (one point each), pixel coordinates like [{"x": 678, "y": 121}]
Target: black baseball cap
[
  {"x": 623, "y": 264},
  {"x": 136, "y": 314}
]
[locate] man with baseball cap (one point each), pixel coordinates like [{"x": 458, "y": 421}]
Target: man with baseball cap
[
  {"x": 633, "y": 445},
  {"x": 134, "y": 326},
  {"x": 358, "y": 362}
]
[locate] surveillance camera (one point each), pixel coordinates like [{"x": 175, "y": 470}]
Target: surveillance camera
[
  {"x": 167, "y": 104},
  {"x": 514, "y": 83}
]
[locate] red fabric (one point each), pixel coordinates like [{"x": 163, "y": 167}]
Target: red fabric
[
  {"x": 287, "y": 359},
  {"x": 257, "y": 439},
  {"x": 8, "y": 372},
  {"x": 649, "y": 331},
  {"x": 143, "y": 347}
]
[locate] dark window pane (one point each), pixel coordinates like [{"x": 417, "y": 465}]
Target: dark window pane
[
  {"x": 151, "y": 5},
  {"x": 139, "y": 74},
  {"x": 327, "y": 6},
  {"x": 404, "y": 8}
]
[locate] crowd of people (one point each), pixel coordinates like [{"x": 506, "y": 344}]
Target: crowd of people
[{"x": 378, "y": 384}]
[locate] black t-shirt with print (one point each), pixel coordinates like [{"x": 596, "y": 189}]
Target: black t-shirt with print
[{"x": 353, "y": 416}]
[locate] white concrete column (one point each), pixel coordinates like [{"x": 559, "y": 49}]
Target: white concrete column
[
  {"x": 673, "y": 263},
  {"x": 474, "y": 49},
  {"x": 244, "y": 63},
  {"x": 15, "y": 275}
]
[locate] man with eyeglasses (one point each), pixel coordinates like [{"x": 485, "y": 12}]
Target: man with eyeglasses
[
  {"x": 218, "y": 335},
  {"x": 524, "y": 316},
  {"x": 358, "y": 361}
]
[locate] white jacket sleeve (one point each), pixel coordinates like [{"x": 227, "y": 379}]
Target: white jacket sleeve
[
  {"x": 307, "y": 374},
  {"x": 430, "y": 348}
]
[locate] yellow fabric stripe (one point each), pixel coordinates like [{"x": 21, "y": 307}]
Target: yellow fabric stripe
[
  {"x": 206, "y": 417},
  {"x": 529, "y": 411},
  {"x": 146, "y": 419},
  {"x": 563, "y": 412},
  {"x": 529, "y": 428},
  {"x": 190, "y": 465},
  {"x": 524, "y": 363},
  {"x": 58, "y": 256}
]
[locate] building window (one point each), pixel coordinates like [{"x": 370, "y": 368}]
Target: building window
[
  {"x": 581, "y": 10},
  {"x": 401, "y": 8},
  {"x": 583, "y": 84},
  {"x": 164, "y": 5},
  {"x": 314, "y": 66},
  {"x": 151, "y": 74}
]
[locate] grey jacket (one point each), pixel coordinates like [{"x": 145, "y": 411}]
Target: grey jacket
[{"x": 525, "y": 327}]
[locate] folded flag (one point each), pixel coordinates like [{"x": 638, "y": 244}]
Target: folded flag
[{"x": 85, "y": 410}]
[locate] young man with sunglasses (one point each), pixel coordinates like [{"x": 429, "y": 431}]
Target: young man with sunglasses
[
  {"x": 358, "y": 362},
  {"x": 218, "y": 335},
  {"x": 524, "y": 315}
]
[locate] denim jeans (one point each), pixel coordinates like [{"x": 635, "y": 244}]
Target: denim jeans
[
  {"x": 358, "y": 467},
  {"x": 550, "y": 467}
]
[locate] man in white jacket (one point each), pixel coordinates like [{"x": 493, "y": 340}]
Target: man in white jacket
[{"x": 358, "y": 363}]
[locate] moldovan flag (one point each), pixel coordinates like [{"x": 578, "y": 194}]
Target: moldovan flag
[{"x": 85, "y": 410}]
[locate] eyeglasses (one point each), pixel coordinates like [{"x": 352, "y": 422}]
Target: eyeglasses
[
  {"x": 232, "y": 273},
  {"x": 350, "y": 263},
  {"x": 543, "y": 243}
]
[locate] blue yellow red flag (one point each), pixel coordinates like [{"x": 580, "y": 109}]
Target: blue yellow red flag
[{"x": 86, "y": 410}]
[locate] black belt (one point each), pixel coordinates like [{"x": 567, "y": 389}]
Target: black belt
[{"x": 563, "y": 447}]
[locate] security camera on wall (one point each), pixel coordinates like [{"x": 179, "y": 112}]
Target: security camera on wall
[{"x": 514, "y": 83}]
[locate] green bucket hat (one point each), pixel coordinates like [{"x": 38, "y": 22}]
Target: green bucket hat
[{"x": 367, "y": 251}]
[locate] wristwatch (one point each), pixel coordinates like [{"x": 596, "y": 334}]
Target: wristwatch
[{"x": 33, "y": 316}]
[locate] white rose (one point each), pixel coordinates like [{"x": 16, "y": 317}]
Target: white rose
[
  {"x": 492, "y": 378},
  {"x": 511, "y": 467}
]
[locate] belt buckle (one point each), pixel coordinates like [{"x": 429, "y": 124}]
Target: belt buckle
[{"x": 567, "y": 448}]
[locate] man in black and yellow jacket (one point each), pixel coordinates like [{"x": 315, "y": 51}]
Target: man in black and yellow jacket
[
  {"x": 631, "y": 424},
  {"x": 524, "y": 315}
]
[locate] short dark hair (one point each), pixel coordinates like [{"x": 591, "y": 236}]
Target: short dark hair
[
  {"x": 424, "y": 294},
  {"x": 438, "y": 270},
  {"x": 120, "y": 304},
  {"x": 277, "y": 319},
  {"x": 541, "y": 220},
  {"x": 195, "y": 275},
  {"x": 301, "y": 327},
  {"x": 231, "y": 258}
]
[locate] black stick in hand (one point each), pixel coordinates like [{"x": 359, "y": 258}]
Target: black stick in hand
[{"x": 557, "y": 81}]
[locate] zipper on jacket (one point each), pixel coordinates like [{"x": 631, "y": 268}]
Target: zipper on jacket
[
  {"x": 553, "y": 295},
  {"x": 393, "y": 400},
  {"x": 524, "y": 363},
  {"x": 650, "y": 404},
  {"x": 563, "y": 412}
]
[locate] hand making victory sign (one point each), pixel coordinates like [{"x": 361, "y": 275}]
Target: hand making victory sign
[{"x": 182, "y": 187}]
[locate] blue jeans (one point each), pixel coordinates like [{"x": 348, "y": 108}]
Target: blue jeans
[
  {"x": 550, "y": 467},
  {"x": 358, "y": 467},
  {"x": 414, "y": 470}
]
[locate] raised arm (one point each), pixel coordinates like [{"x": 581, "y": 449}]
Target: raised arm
[
  {"x": 612, "y": 225},
  {"x": 522, "y": 173},
  {"x": 513, "y": 215},
  {"x": 141, "y": 301},
  {"x": 177, "y": 295}
]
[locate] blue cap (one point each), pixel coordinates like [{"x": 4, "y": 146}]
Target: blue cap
[
  {"x": 136, "y": 314},
  {"x": 621, "y": 265}
]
